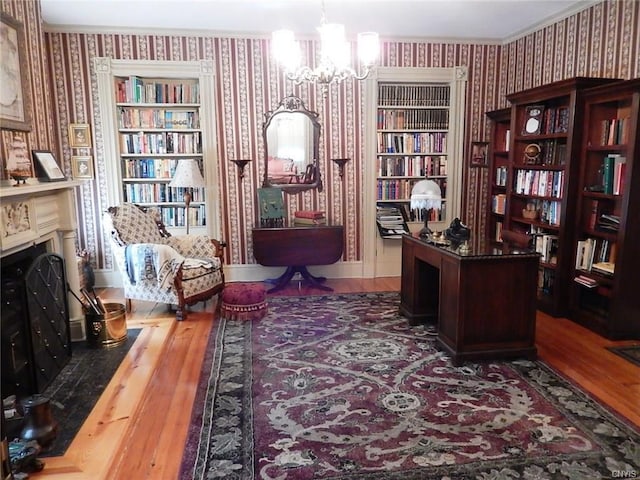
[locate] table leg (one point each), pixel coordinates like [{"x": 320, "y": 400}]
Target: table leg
[
  {"x": 314, "y": 281},
  {"x": 284, "y": 279}
]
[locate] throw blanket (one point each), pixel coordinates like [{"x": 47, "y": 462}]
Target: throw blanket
[{"x": 149, "y": 261}]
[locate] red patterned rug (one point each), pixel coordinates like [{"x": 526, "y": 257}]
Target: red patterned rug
[{"x": 341, "y": 387}]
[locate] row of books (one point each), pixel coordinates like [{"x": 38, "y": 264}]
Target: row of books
[
  {"x": 549, "y": 210},
  {"x": 413, "y": 95},
  {"x": 136, "y": 90},
  {"x": 615, "y": 131},
  {"x": 158, "y": 118},
  {"x": 547, "y": 246},
  {"x": 149, "y": 167},
  {"x": 419, "y": 142},
  {"x": 400, "y": 189},
  {"x": 413, "y": 119},
  {"x": 546, "y": 281},
  {"x": 498, "y": 203},
  {"x": 614, "y": 167},
  {"x": 412, "y": 166},
  {"x": 175, "y": 217},
  {"x": 595, "y": 254},
  {"x": 501, "y": 176},
  {"x": 541, "y": 183},
  {"x": 158, "y": 193},
  {"x": 608, "y": 222},
  {"x": 159, "y": 143}
]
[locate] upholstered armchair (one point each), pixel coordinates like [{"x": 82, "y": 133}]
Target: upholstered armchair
[{"x": 155, "y": 266}]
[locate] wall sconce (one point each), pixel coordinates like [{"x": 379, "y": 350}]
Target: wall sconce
[
  {"x": 241, "y": 163},
  {"x": 340, "y": 162}
]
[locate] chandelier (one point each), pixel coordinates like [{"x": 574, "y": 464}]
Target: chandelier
[{"x": 335, "y": 54}]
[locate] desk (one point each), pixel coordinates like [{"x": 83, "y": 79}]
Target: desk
[
  {"x": 484, "y": 301},
  {"x": 296, "y": 248}
]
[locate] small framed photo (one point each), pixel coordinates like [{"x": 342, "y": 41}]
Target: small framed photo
[
  {"x": 479, "y": 154},
  {"x": 47, "y": 168},
  {"x": 18, "y": 223},
  {"x": 79, "y": 135},
  {"x": 82, "y": 166}
]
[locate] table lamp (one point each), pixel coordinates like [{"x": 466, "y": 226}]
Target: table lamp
[
  {"x": 426, "y": 195},
  {"x": 187, "y": 176}
]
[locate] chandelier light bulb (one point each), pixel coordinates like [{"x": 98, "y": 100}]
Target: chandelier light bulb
[{"x": 368, "y": 47}]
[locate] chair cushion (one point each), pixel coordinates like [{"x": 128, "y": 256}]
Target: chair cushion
[
  {"x": 132, "y": 225},
  {"x": 244, "y": 301}
]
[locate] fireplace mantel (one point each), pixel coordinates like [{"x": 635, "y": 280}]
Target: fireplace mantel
[{"x": 47, "y": 212}]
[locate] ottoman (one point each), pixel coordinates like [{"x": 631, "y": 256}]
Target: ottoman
[{"x": 243, "y": 301}]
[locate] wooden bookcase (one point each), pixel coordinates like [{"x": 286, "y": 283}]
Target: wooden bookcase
[
  {"x": 154, "y": 113},
  {"x": 541, "y": 192},
  {"x": 414, "y": 131},
  {"x": 604, "y": 293},
  {"x": 498, "y": 172}
]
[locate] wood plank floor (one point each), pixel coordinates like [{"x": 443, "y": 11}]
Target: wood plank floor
[{"x": 138, "y": 427}]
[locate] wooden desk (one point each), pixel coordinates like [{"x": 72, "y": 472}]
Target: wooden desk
[
  {"x": 296, "y": 248},
  {"x": 484, "y": 301}
]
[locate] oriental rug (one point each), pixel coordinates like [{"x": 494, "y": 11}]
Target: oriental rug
[{"x": 341, "y": 387}]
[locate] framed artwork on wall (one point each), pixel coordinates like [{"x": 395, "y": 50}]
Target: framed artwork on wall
[
  {"x": 47, "y": 168},
  {"x": 14, "y": 96},
  {"x": 479, "y": 154},
  {"x": 79, "y": 135},
  {"x": 82, "y": 166}
]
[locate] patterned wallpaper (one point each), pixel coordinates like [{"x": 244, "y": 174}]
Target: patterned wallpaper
[{"x": 603, "y": 40}]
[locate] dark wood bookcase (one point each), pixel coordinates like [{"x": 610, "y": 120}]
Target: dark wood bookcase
[
  {"x": 604, "y": 291},
  {"x": 542, "y": 186},
  {"x": 498, "y": 172}
]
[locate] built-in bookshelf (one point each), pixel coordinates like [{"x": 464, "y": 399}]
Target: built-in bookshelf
[
  {"x": 412, "y": 132},
  {"x": 498, "y": 159},
  {"x": 414, "y": 125},
  {"x": 154, "y": 114},
  {"x": 541, "y": 188},
  {"x": 604, "y": 293}
]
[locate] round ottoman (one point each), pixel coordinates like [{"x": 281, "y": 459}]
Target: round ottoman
[{"x": 244, "y": 301}]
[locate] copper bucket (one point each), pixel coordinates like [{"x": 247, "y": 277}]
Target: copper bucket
[{"x": 109, "y": 329}]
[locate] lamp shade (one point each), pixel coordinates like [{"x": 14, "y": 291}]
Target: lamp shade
[
  {"x": 426, "y": 194},
  {"x": 187, "y": 175}
]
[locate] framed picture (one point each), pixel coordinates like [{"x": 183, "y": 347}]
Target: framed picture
[
  {"x": 18, "y": 223},
  {"x": 82, "y": 166},
  {"x": 47, "y": 168},
  {"x": 479, "y": 154},
  {"x": 533, "y": 120},
  {"x": 14, "y": 95},
  {"x": 79, "y": 135}
]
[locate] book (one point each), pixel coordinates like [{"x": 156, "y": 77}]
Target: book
[
  {"x": 309, "y": 221},
  {"x": 606, "y": 268},
  {"x": 607, "y": 175},
  {"x": 309, "y": 214}
]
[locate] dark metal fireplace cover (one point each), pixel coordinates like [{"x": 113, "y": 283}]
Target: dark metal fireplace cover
[{"x": 46, "y": 292}]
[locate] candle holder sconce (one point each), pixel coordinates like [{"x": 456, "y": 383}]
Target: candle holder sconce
[
  {"x": 340, "y": 162},
  {"x": 241, "y": 163}
]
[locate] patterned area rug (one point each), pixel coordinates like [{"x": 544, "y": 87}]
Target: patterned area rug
[
  {"x": 630, "y": 353},
  {"x": 341, "y": 387}
]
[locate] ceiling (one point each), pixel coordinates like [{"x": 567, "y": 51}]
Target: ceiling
[{"x": 471, "y": 20}]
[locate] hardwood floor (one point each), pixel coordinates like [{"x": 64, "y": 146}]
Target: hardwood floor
[{"x": 139, "y": 425}]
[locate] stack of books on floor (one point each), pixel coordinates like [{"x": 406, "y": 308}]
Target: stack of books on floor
[
  {"x": 305, "y": 218},
  {"x": 391, "y": 221}
]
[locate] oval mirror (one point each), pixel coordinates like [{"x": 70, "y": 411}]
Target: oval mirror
[{"x": 291, "y": 135}]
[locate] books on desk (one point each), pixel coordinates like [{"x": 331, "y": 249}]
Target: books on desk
[{"x": 305, "y": 218}]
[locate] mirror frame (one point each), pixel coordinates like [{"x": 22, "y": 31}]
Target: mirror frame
[{"x": 291, "y": 104}]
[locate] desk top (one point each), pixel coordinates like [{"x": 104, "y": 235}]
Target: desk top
[
  {"x": 295, "y": 246},
  {"x": 473, "y": 252}
]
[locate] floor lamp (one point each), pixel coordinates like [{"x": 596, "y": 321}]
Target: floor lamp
[
  {"x": 426, "y": 196},
  {"x": 187, "y": 176}
]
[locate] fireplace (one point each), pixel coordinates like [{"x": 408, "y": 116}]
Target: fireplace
[
  {"x": 35, "y": 335},
  {"x": 38, "y": 258}
]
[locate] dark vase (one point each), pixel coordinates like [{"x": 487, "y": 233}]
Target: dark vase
[{"x": 39, "y": 424}]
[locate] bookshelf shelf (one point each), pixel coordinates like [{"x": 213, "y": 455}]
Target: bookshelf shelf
[
  {"x": 541, "y": 177},
  {"x": 156, "y": 113},
  {"x": 606, "y": 233}
]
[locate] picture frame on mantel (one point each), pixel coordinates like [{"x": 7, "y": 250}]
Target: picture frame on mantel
[
  {"x": 14, "y": 95},
  {"x": 47, "y": 169}
]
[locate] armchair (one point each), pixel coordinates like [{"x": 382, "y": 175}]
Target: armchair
[{"x": 156, "y": 266}]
